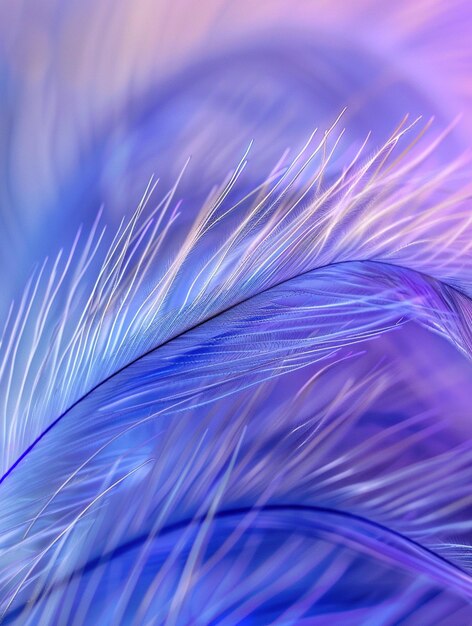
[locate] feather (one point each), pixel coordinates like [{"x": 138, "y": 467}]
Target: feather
[
  {"x": 149, "y": 406},
  {"x": 246, "y": 402}
]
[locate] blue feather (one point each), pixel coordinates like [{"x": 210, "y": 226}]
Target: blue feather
[
  {"x": 178, "y": 399},
  {"x": 247, "y": 402}
]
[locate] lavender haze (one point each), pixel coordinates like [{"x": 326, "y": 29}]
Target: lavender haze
[{"x": 235, "y": 313}]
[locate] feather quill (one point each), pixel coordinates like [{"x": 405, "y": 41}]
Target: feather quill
[{"x": 153, "y": 380}]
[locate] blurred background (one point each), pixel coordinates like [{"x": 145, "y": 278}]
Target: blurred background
[{"x": 97, "y": 97}]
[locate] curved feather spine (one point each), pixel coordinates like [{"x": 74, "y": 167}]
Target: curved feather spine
[
  {"x": 225, "y": 278},
  {"x": 276, "y": 240}
]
